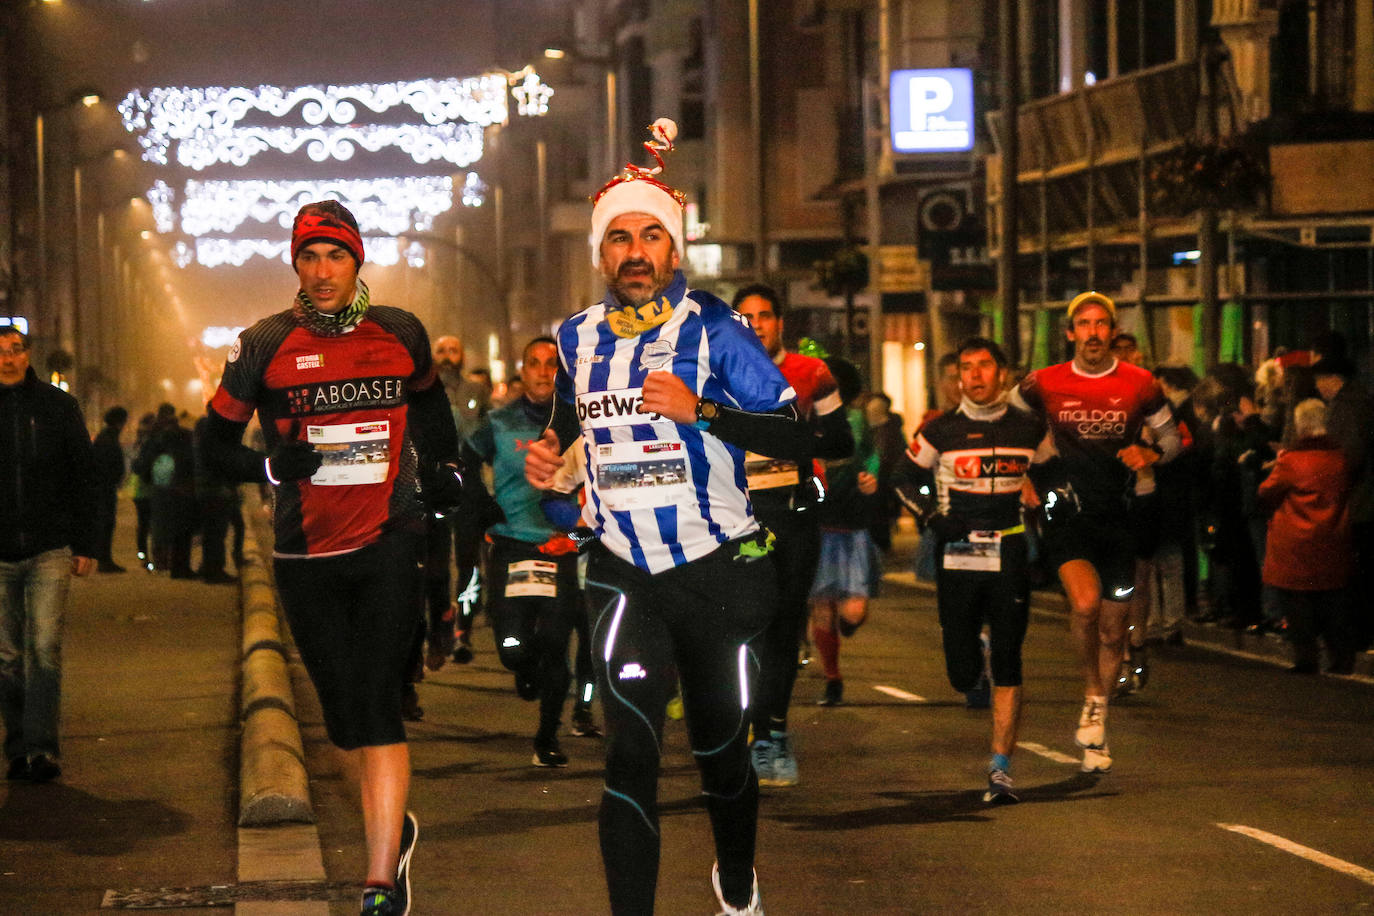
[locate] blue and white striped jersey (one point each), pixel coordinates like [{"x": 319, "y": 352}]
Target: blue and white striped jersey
[{"x": 660, "y": 494}]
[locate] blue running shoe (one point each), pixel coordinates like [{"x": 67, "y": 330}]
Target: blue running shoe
[
  {"x": 784, "y": 762},
  {"x": 762, "y": 756}
]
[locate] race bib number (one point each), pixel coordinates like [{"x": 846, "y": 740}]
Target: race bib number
[
  {"x": 769, "y": 473},
  {"x": 354, "y": 453},
  {"x": 641, "y": 475},
  {"x": 532, "y": 579},
  {"x": 982, "y": 552}
]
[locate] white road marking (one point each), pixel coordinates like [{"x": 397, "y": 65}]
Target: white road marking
[
  {"x": 1303, "y": 852},
  {"x": 1045, "y": 752},
  {"x": 899, "y": 694}
]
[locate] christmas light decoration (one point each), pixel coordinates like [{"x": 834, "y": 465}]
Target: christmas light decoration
[
  {"x": 206, "y": 121},
  {"x": 160, "y": 198},
  {"x": 474, "y": 191},
  {"x": 387, "y": 206},
  {"x": 460, "y": 144},
  {"x": 216, "y": 252}
]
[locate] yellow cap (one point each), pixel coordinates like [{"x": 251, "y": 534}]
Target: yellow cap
[{"x": 1092, "y": 297}]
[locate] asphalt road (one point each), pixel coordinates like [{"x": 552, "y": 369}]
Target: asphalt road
[
  {"x": 888, "y": 817},
  {"x": 1237, "y": 788}
]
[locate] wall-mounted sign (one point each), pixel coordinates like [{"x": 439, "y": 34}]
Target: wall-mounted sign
[{"x": 932, "y": 110}]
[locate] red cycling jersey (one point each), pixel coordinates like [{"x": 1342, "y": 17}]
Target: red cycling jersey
[
  {"x": 1092, "y": 418},
  {"x": 345, "y": 395}
]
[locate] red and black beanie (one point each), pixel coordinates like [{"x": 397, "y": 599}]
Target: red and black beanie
[{"x": 326, "y": 221}]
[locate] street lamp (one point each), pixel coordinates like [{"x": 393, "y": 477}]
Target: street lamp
[{"x": 86, "y": 97}]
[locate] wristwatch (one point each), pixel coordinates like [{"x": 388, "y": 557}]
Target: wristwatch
[{"x": 707, "y": 412}]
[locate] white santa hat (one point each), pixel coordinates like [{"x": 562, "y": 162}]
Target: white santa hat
[{"x": 638, "y": 190}]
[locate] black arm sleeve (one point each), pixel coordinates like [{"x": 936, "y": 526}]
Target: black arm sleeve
[
  {"x": 563, "y": 422},
  {"x": 225, "y": 453},
  {"x": 431, "y": 422},
  {"x": 834, "y": 439},
  {"x": 780, "y": 433}
]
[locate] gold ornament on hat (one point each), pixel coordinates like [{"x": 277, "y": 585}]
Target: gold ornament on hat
[{"x": 663, "y": 132}]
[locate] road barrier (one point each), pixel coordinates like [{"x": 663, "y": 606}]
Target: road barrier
[{"x": 273, "y": 787}]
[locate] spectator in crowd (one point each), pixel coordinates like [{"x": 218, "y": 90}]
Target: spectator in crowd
[
  {"x": 1311, "y": 556},
  {"x": 1350, "y": 421},
  {"x": 1180, "y": 483},
  {"x": 109, "y": 475},
  {"x": 167, "y": 462},
  {"x": 143, "y": 493},
  {"x": 216, "y": 500},
  {"x": 47, "y": 535},
  {"x": 1126, "y": 348}
]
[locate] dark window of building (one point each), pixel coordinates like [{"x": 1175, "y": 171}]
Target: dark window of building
[
  {"x": 1042, "y": 51},
  {"x": 638, "y": 87},
  {"x": 692, "y": 113},
  {"x": 1095, "y": 35}
]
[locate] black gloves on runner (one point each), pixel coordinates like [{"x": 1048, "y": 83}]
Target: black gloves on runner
[
  {"x": 292, "y": 460},
  {"x": 441, "y": 486}
]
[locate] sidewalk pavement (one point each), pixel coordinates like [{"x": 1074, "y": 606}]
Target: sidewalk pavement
[{"x": 147, "y": 796}]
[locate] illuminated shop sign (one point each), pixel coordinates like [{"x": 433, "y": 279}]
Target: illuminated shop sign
[{"x": 932, "y": 110}]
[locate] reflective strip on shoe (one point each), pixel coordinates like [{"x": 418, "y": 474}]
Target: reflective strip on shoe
[
  {"x": 410, "y": 834},
  {"x": 755, "y": 907}
]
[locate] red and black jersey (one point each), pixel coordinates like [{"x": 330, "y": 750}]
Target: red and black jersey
[
  {"x": 1092, "y": 418},
  {"x": 979, "y": 456},
  {"x": 347, "y": 396}
]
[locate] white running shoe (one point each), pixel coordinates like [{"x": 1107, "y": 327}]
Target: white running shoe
[
  {"x": 1092, "y": 723},
  {"x": 1097, "y": 759},
  {"x": 755, "y": 907}
]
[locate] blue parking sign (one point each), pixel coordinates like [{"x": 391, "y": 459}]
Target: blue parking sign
[{"x": 932, "y": 110}]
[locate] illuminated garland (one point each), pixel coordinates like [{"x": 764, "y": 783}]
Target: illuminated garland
[
  {"x": 460, "y": 144},
  {"x": 474, "y": 190},
  {"x": 216, "y": 252},
  {"x": 387, "y": 206},
  {"x": 160, "y": 198},
  {"x": 208, "y": 119}
]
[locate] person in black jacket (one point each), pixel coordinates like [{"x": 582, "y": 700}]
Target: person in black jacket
[
  {"x": 47, "y": 533},
  {"x": 167, "y": 462},
  {"x": 109, "y": 474}
]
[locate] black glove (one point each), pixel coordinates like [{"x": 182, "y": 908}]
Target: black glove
[
  {"x": 292, "y": 460},
  {"x": 1059, "y": 505},
  {"x": 949, "y": 528},
  {"x": 808, "y": 494},
  {"x": 441, "y": 486}
]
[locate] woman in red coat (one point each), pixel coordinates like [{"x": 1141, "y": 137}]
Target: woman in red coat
[{"x": 1310, "y": 557}]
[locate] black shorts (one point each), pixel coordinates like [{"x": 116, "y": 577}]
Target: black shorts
[
  {"x": 967, "y": 599},
  {"x": 353, "y": 618},
  {"x": 1107, "y": 543}
]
